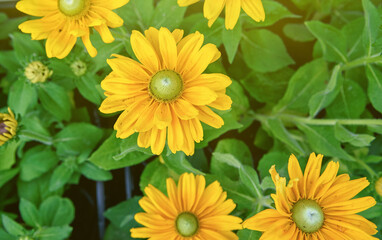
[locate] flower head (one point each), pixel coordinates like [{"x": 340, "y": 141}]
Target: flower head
[
  {"x": 191, "y": 211},
  {"x": 213, "y": 8},
  {"x": 37, "y": 72},
  {"x": 166, "y": 95},
  {"x": 63, "y": 21},
  {"x": 378, "y": 186},
  {"x": 8, "y": 125},
  {"x": 78, "y": 67},
  {"x": 314, "y": 206}
]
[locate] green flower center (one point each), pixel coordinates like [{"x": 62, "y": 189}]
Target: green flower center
[
  {"x": 187, "y": 224},
  {"x": 37, "y": 72},
  {"x": 78, "y": 67},
  {"x": 308, "y": 215},
  {"x": 166, "y": 85},
  {"x": 72, "y": 7}
]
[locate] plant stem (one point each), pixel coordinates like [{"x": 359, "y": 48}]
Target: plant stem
[
  {"x": 367, "y": 167},
  {"x": 362, "y": 61}
]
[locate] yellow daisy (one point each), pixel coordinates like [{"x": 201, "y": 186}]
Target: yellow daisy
[
  {"x": 314, "y": 206},
  {"x": 213, "y": 8},
  {"x": 191, "y": 211},
  {"x": 8, "y": 125},
  {"x": 64, "y": 20},
  {"x": 166, "y": 94}
]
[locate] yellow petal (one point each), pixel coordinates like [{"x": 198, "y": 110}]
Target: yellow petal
[
  {"x": 105, "y": 33},
  {"x": 213, "y": 8},
  {"x": 158, "y": 140},
  {"x": 254, "y": 9},
  {"x": 214, "y": 81},
  {"x": 110, "y": 4},
  {"x": 222, "y": 102},
  {"x": 168, "y": 49},
  {"x": 185, "y": 3},
  {"x": 232, "y": 13},
  {"x": 111, "y": 18},
  {"x": 89, "y": 46},
  {"x": 199, "y": 95},
  {"x": 162, "y": 115},
  {"x": 144, "y": 51},
  {"x": 36, "y": 7},
  {"x": 184, "y": 110},
  {"x": 207, "y": 116}
]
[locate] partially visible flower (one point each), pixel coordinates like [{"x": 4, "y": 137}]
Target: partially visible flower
[
  {"x": 314, "y": 206},
  {"x": 8, "y": 125},
  {"x": 213, "y": 8},
  {"x": 166, "y": 95},
  {"x": 378, "y": 186},
  {"x": 37, "y": 72},
  {"x": 63, "y": 21},
  {"x": 191, "y": 211},
  {"x": 78, "y": 67}
]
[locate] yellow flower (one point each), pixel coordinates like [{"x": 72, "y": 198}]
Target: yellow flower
[
  {"x": 378, "y": 186},
  {"x": 315, "y": 207},
  {"x": 213, "y": 8},
  {"x": 8, "y": 125},
  {"x": 166, "y": 95},
  {"x": 37, "y": 72},
  {"x": 64, "y": 20},
  {"x": 191, "y": 211}
]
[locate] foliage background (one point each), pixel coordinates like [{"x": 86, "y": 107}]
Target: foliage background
[{"x": 307, "y": 79}]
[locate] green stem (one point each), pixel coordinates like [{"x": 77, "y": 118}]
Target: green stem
[
  {"x": 362, "y": 61},
  {"x": 367, "y": 167},
  {"x": 47, "y": 140}
]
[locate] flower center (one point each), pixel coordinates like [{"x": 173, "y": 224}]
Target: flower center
[
  {"x": 78, "y": 67},
  {"x": 2, "y": 128},
  {"x": 72, "y": 7},
  {"x": 308, "y": 215},
  {"x": 166, "y": 85},
  {"x": 187, "y": 224},
  {"x": 37, "y": 72}
]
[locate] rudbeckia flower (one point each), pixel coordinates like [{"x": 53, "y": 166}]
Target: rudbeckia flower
[
  {"x": 315, "y": 206},
  {"x": 213, "y": 8},
  {"x": 8, "y": 125},
  {"x": 63, "y": 21},
  {"x": 166, "y": 95},
  {"x": 191, "y": 211}
]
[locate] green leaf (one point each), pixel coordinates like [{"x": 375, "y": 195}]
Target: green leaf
[
  {"x": 238, "y": 149},
  {"x": 322, "y": 140},
  {"x": 25, "y": 47},
  {"x": 274, "y": 12},
  {"x": 264, "y": 51},
  {"x": 37, "y": 161},
  {"x": 179, "y": 164},
  {"x": 249, "y": 177},
  {"x": 374, "y": 89},
  {"x": 353, "y": 34},
  {"x": 29, "y": 213},
  {"x": 279, "y": 159},
  {"x": 34, "y": 130},
  {"x": 77, "y": 138},
  {"x": 61, "y": 175},
  {"x": 137, "y": 14},
  {"x": 36, "y": 190},
  {"x": 56, "y": 211},
  {"x": 155, "y": 173},
  {"x": 88, "y": 86},
  {"x": 247, "y": 234},
  {"x": 167, "y": 14},
  {"x": 9, "y": 61},
  {"x": 303, "y": 84},
  {"x": 277, "y": 128},
  {"x": 54, "y": 233},
  {"x": 211, "y": 34},
  {"x": 122, "y": 215},
  {"x": 10, "y": 25},
  {"x": 95, "y": 173},
  {"x": 231, "y": 40},
  {"x": 117, "y": 153},
  {"x": 22, "y": 97},
  {"x": 267, "y": 87},
  {"x": 358, "y": 140},
  {"x": 55, "y": 100},
  {"x": 332, "y": 41},
  {"x": 7, "y": 154},
  {"x": 298, "y": 32},
  {"x": 11, "y": 226},
  {"x": 372, "y": 26},
  {"x": 350, "y": 102},
  {"x": 6, "y": 175},
  {"x": 6, "y": 236},
  {"x": 210, "y": 133},
  {"x": 322, "y": 99}
]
